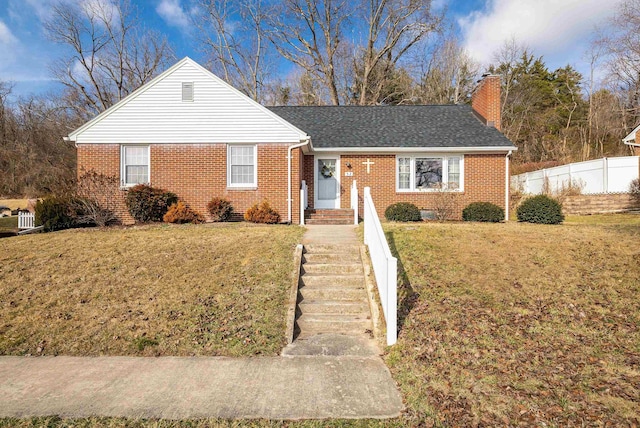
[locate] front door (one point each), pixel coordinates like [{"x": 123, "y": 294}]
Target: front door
[{"x": 327, "y": 179}]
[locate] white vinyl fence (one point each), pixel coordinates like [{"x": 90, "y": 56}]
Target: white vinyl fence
[
  {"x": 606, "y": 175},
  {"x": 26, "y": 220},
  {"x": 385, "y": 266}
]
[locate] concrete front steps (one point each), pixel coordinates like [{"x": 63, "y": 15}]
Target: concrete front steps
[
  {"x": 318, "y": 216},
  {"x": 332, "y": 299}
]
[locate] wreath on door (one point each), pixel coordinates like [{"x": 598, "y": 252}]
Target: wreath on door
[{"x": 326, "y": 171}]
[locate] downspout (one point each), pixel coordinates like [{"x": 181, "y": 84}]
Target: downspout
[
  {"x": 289, "y": 197},
  {"x": 507, "y": 186}
]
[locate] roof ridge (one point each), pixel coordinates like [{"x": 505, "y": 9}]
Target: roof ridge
[{"x": 375, "y": 106}]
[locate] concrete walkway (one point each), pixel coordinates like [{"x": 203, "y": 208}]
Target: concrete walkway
[
  {"x": 330, "y": 235},
  {"x": 198, "y": 387},
  {"x": 328, "y": 377}
]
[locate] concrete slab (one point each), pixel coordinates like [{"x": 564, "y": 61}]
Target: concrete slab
[
  {"x": 198, "y": 387},
  {"x": 333, "y": 344},
  {"x": 330, "y": 235}
]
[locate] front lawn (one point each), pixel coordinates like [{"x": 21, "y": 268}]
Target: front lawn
[
  {"x": 509, "y": 324},
  {"x": 8, "y": 223},
  {"x": 151, "y": 290}
]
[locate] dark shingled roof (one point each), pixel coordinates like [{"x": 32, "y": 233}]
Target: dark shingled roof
[{"x": 393, "y": 126}]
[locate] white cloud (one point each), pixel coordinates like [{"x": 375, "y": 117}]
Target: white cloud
[
  {"x": 6, "y": 36},
  {"x": 173, "y": 13},
  {"x": 556, "y": 29}
]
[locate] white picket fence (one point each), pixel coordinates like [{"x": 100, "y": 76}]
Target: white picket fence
[
  {"x": 606, "y": 175},
  {"x": 385, "y": 266},
  {"x": 26, "y": 220}
]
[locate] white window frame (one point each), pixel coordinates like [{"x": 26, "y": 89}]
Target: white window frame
[
  {"x": 123, "y": 169},
  {"x": 412, "y": 171},
  {"x": 253, "y": 185}
]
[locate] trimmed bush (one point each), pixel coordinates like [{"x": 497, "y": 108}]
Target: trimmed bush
[
  {"x": 540, "y": 209},
  {"x": 181, "y": 213},
  {"x": 262, "y": 214},
  {"x": 220, "y": 209},
  {"x": 483, "y": 211},
  {"x": 402, "y": 211},
  {"x": 146, "y": 203},
  {"x": 55, "y": 213}
]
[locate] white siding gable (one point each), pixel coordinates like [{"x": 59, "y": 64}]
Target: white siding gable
[{"x": 156, "y": 113}]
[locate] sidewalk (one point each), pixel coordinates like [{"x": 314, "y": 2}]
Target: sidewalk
[{"x": 198, "y": 387}]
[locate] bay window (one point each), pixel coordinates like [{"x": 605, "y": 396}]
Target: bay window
[{"x": 417, "y": 173}]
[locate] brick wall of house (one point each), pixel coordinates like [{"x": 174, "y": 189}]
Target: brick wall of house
[
  {"x": 484, "y": 181},
  {"x": 485, "y": 99},
  {"x": 198, "y": 172},
  {"x": 596, "y": 204}
]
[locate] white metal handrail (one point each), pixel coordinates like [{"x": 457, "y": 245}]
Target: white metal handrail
[
  {"x": 26, "y": 220},
  {"x": 304, "y": 202},
  {"x": 354, "y": 202},
  {"x": 385, "y": 266}
]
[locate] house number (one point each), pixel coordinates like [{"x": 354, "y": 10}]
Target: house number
[{"x": 348, "y": 174}]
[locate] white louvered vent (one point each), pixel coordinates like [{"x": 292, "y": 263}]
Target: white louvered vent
[{"x": 187, "y": 91}]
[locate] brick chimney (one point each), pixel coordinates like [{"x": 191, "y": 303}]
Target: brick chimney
[{"x": 485, "y": 100}]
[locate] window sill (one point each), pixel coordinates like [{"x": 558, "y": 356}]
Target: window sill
[
  {"x": 420, "y": 192},
  {"x": 247, "y": 188}
]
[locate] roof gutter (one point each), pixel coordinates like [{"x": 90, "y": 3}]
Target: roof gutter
[
  {"x": 306, "y": 141},
  {"x": 488, "y": 149}
]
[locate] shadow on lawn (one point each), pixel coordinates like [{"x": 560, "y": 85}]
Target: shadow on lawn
[{"x": 407, "y": 296}]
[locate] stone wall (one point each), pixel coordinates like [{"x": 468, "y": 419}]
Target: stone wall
[{"x": 595, "y": 204}]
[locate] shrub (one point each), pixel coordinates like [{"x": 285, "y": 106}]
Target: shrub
[
  {"x": 146, "y": 203},
  {"x": 220, "y": 209},
  {"x": 262, "y": 214},
  {"x": 483, "y": 211},
  {"x": 402, "y": 211},
  {"x": 97, "y": 200},
  {"x": 181, "y": 213},
  {"x": 55, "y": 213},
  {"x": 445, "y": 201},
  {"x": 634, "y": 189},
  {"x": 540, "y": 209}
]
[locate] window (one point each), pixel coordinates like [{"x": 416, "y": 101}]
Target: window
[
  {"x": 416, "y": 173},
  {"x": 242, "y": 166},
  {"x": 134, "y": 165},
  {"x": 187, "y": 91}
]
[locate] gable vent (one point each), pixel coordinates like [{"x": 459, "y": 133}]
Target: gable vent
[{"x": 187, "y": 91}]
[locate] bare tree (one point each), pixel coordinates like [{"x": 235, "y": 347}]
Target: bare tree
[
  {"x": 621, "y": 43},
  {"x": 109, "y": 54},
  {"x": 394, "y": 27},
  {"x": 234, "y": 35},
  {"x": 450, "y": 76},
  {"x": 309, "y": 34}
]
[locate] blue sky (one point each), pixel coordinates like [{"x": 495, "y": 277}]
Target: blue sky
[{"x": 559, "y": 30}]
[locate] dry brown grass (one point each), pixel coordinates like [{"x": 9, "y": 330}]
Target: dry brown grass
[
  {"x": 14, "y": 204},
  {"x": 519, "y": 324},
  {"x": 152, "y": 290}
]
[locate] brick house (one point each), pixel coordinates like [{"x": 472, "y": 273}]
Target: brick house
[
  {"x": 631, "y": 141},
  {"x": 189, "y": 132}
]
